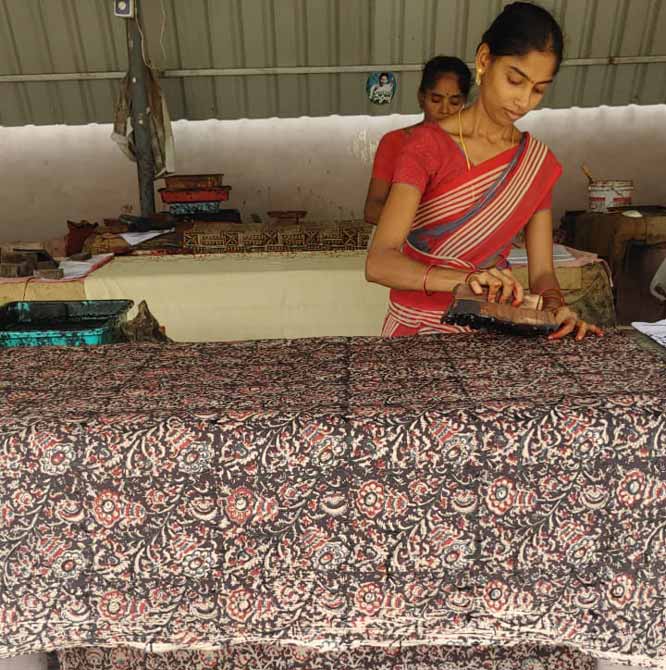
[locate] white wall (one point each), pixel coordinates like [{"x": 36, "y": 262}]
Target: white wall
[{"x": 54, "y": 173}]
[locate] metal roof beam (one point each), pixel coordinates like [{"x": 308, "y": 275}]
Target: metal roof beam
[{"x": 333, "y": 69}]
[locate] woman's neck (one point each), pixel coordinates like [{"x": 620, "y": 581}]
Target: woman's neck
[{"x": 478, "y": 124}]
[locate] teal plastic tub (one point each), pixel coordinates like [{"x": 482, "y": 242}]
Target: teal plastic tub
[{"x": 67, "y": 323}]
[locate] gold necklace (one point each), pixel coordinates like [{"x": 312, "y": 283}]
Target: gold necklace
[{"x": 462, "y": 141}]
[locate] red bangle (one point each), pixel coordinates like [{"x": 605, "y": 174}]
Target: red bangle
[
  {"x": 425, "y": 279},
  {"x": 553, "y": 294},
  {"x": 559, "y": 291}
]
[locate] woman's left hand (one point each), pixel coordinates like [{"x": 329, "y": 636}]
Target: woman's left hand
[{"x": 569, "y": 321}]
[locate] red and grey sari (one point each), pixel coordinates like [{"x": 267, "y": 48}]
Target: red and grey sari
[{"x": 467, "y": 218}]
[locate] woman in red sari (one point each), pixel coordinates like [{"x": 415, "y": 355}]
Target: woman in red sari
[
  {"x": 444, "y": 87},
  {"x": 465, "y": 186}
]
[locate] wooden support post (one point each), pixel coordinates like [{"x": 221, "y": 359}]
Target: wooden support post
[{"x": 141, "y": 115}]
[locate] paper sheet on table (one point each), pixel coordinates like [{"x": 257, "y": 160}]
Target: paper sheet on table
[
  {"x": 136, "y": 238},
  {"x": 656, "y": 330},
  {"x": 518, "y": 255}
]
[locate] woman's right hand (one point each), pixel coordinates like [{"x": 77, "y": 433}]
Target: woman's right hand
[{"x": 501, "y": 285}]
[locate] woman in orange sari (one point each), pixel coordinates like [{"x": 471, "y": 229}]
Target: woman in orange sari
[{"x": 465, "y": 186}]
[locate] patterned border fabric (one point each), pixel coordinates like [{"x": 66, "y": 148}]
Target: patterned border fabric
[
  {"x": 275, "y": 657},
  {"x": 278, "y": 236},
  {"x": 335, "y": 493}
]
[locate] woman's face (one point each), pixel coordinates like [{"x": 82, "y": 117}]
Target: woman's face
[
  {"x": 444, "y": 99},
  {"x": 383, "y": 80},
  {"x": 511, "y": 86}
]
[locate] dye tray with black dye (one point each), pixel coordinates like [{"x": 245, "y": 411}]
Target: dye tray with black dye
[
  {"x": 62, "y": 322},
  {"x": 475, "y": 311}
]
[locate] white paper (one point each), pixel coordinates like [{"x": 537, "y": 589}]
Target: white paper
[
  {"x": 136, "y": 238},
  {"x": 656, "y": 330},
  {"x": 518, "y": 255},
  {"x": 79, "y": 269}
]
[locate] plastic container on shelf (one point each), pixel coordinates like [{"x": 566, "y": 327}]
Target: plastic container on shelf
[
  {"x": 609, "y": 193},
  {"x": 185, "y": 181},
  {"x": 195, "y": 194}
]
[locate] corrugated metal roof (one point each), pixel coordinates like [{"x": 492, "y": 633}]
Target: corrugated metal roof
[{"x": 239, "y": 39}]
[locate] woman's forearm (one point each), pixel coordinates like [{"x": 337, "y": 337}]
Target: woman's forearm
[
  {"x": 373, "y": 208},
  {"x": 543, "y": 282},
  {"x": 391, "y": 268},
  {"x": 387, "y": 265}
]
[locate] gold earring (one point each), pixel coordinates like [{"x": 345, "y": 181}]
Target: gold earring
[{"x": 478, "y": 78}]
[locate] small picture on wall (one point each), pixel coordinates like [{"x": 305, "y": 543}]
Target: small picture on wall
[{"x": 381, "y": 87}]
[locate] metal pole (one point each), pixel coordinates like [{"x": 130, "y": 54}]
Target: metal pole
[
  {"x": 141, "y": 116},
  {"x": 291, "y": 70}
]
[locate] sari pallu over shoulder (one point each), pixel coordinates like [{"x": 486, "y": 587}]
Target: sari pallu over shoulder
[{"x": 469, "y": 222}]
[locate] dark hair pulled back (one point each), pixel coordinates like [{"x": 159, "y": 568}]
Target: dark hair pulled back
[
  {"x": 523, "y": 27},
  {"x": 439, "y": 66}
]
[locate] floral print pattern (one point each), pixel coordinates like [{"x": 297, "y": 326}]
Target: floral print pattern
[
  {"x": 423, "y": 499},
  {"x": 275, "y": 657}
]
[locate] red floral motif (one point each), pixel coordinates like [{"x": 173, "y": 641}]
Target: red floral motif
[
  {"x": 301, "y": 558},
  {"x": 121, "y": 658},
  {"x": 370, "y": 498},
  {"x": 532, "y": 664},
  {"x": 112, "y": 605},
  {"x": 69, "y": 565},
  {"x": 457, "y": 555},
  {"x": 630, "y": 490},
  {"x": 418, "y": 490},
  {"x": 57, "y": 459},
  {"x": 550, "y": 485},
  {"x": 155, "y": 498},
  {"x": 457, "y": 449},
  {"x": 368, "y": 599},
  {"x": 417, "y": 593},
  {"x": 496, "y": 596},
  {"x": 22, "y": 501},
  {"x": 239, "y": 505},
  {"x": 501, "y": 495},
  {"x": 331, "y": 556},
  {"x": 288, "y": 493},
  {"x": 195, "y": 458},
  {"x": 107, "y": 508},
  {"x": 290, "y": 593},
  {"x": 198, "y": 563},
  {"x": 240, "y": 604},
  {"x": 620, "y": 591},
  {"x": 95, "y": 657}
]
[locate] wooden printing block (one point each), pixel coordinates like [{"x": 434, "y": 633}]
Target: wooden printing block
[
  {"x": 40, "y": 257},
  {"x": 475, "y": 311},
  {"x": 12, "y": 270},
  {"x": 17, "y": 258}
]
